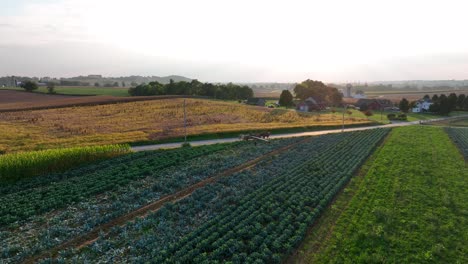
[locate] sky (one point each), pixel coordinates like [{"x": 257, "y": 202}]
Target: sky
[{"x": 239, "y": 41}]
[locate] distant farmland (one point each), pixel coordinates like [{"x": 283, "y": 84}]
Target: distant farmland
[
  {"x": 146, "y": 120},
  {"x": 396, "y": 96},
  {"x": 12, "y": 100},
  {"x": 82, "y": 90}
]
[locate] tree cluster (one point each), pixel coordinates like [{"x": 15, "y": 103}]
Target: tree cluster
[
  {"x": 228, "y": 91},
  {"x": 443, "y": 104},
  {"x": 318, "y": 90}
]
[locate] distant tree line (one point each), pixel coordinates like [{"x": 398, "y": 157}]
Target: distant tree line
[
  {"x": 228, "y": 91},
  {"x": 441, "y": 104},
  {"x": 73, "y": 83}
]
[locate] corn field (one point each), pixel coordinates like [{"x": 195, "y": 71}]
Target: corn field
[{"x": 17, "y": 166}]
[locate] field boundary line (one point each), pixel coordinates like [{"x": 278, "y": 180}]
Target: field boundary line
[{"x": 93, "y": 235}]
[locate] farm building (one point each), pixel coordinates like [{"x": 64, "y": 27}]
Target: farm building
[
  {"x": 422, "y": 106},
  {"x": 374, "y": 104},
  {"x": 359, "y": 96},
  {"x": 256, "y": 101},
  {"x": 311, "y": 104}
]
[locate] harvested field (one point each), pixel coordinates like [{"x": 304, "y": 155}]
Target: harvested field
[
  {"x": 395, "y": 96},
  {"x": 147, "y": 120},
  {"x": 10, "y": 97},
  {"x": 11, "y": 101}
]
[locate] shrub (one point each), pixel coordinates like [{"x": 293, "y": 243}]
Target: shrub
[
  {"x": 368, "y": 113},
  {"x": 29, "y": 86},
  {"x": 186, "y": 145},
  {"x": 51, "y": 88},
  {"x": 391, "y": 116},
  {"x": 402, "y": 117}
]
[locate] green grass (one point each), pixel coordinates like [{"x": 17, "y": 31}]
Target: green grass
[
  {"x": 381, "y": 117},
  {"x": 421, "y": 116},
  {"x": 410, "y": 207},
  {"x": 72, "y": 90},
  {"x": 377, "y": 116},
  {"x": 92, "y": 91}
]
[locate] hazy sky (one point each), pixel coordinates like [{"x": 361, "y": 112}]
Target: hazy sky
[{"x": 252, "y": 40}]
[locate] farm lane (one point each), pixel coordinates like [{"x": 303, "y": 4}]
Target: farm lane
[{"x": 288, "y": 135}]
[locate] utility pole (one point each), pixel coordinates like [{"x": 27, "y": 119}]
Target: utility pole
[
  {"x": 381, "y": 112},
  {"x": 185, "y": 124},
  {"x": 344, "y": 109}
]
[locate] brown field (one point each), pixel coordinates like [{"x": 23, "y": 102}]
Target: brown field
[
  {"x": 11, "y": 100},
  {"x": 11, "y": 96},
  {"x": 145, "y": 120},
  {"x": 411, "y": 96}
]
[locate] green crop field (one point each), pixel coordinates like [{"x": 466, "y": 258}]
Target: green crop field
[
  {"x": 90, "y": 91},
  {"x": 410, "y": 207},
  {"x": 263, "y": 210},
  {"x": 17, "y": 166},
  {"x": 357, "y": 197}
]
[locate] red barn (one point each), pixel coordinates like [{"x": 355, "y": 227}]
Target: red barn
[{"x": 374, "y": 104}]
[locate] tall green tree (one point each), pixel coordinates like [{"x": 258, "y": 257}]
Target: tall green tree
[
  {"x": 465, "y": 104},
  {"x": 286, "y": 98},
  {"x": 452, "y": 99},
  {"x": 435, "y": 107},
  {"x": 460, "y": 101},
  {"x": 334, "y": 97},
  {"x": 404, "y": 105},
  {"x": 445, "y": 106},
  {"x": 318, "y": 90},
  {"x": 310, "y": 88},
  {"x": 29, "y": 86}
]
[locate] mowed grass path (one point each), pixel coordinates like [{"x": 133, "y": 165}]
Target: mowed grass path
[
  {"x": 410, "y": 207},
  {"x": 147, "y": 120}
]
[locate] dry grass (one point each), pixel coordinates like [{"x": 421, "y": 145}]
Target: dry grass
[{"x": 146, "y": 120}]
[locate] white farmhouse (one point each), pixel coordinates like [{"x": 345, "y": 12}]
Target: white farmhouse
[
  {"x": 359, "y": 96},
  {"x": 422, "y": 106}
]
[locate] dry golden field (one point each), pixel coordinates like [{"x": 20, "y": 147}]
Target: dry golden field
[{"x": 145, "y": 120}]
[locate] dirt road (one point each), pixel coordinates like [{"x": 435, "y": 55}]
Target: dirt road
[{"x": 289, "y": 135}]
